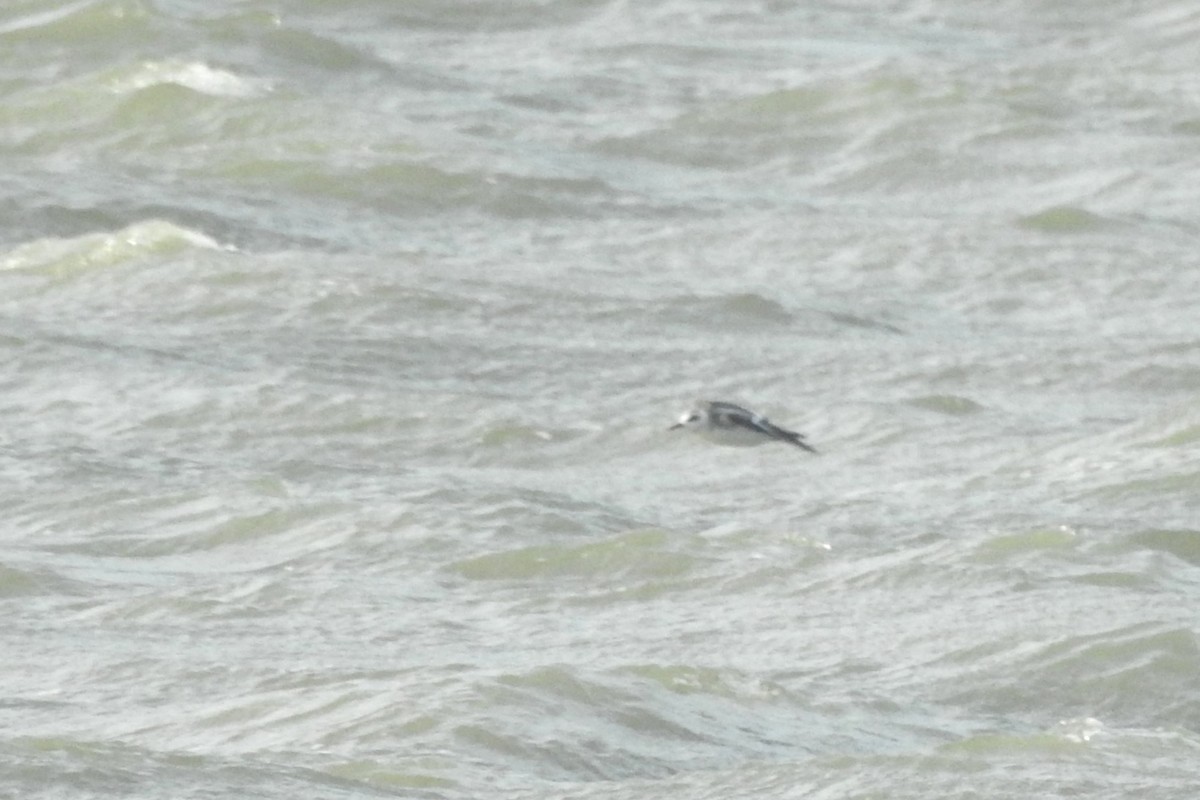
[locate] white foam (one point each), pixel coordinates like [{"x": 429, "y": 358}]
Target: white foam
[
  {"x": 98, "y": 249},
  {"x": 194, "y": 75}
]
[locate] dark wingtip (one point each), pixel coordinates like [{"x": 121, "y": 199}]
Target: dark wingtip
[{"x": 799, "y": 442}]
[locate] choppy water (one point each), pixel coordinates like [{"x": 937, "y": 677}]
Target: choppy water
[{"x": 340, "y": 340}]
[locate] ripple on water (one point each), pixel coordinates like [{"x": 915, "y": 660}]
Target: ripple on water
[
  {"x": 642, "y": 555},
  {"x": 1132, "y": 675}
]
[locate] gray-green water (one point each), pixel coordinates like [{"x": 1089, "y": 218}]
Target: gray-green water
[{"x": 339, "y": 342}]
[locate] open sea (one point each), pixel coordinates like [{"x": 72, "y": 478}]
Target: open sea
[{"x": 339, "y": 342}]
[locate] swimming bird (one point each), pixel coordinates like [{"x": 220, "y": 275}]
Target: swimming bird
[{"x": 729, "y": 424}]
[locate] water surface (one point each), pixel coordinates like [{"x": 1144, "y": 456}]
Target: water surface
[{"x": 341, "y": 341}]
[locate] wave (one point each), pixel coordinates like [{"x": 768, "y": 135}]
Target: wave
[{"x": 63, "y": 257}]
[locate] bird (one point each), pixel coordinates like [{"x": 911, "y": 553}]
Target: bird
[{"x": 730, "y": 424}]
